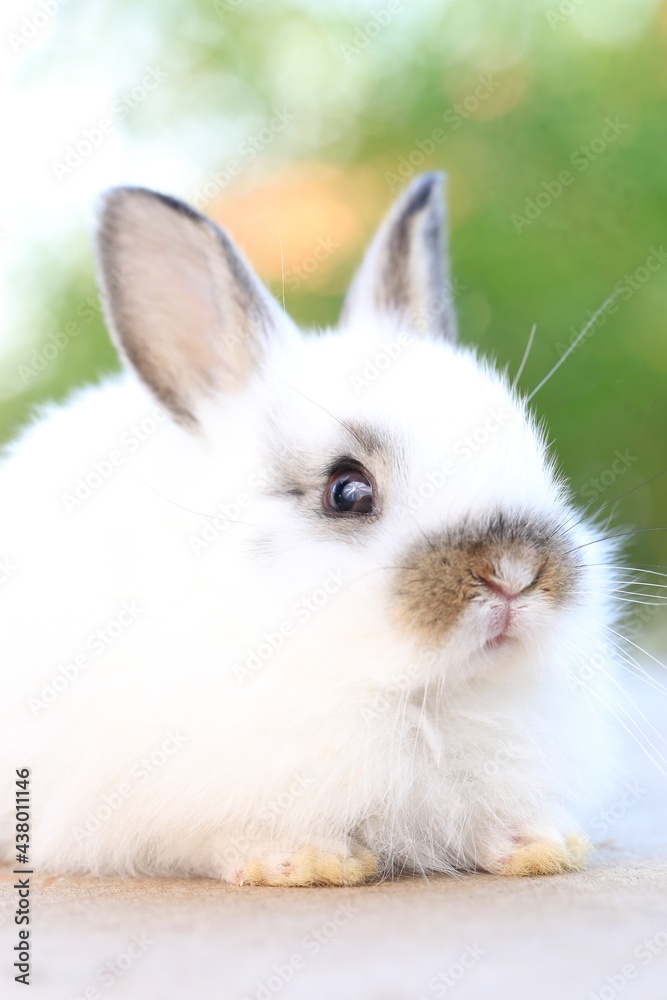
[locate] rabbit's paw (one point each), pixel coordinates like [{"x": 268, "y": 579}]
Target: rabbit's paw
[
  {"x": 309, "y": 866},
  {"x": 533, "y": 856}
]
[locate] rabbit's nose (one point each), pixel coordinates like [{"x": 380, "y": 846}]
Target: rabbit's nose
[
  {"x": 508, "y": 565},
  {"x": 500, "y": 588},
  {"x": 512, "y": 577}
]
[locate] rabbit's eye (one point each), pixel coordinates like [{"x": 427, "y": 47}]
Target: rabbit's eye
[{"x": 349, "y": 491}]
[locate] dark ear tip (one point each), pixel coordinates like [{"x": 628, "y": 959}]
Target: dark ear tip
[
  {"x": 425, "y": 192},
  {"x": 426, "y": 188},
  {"x": 432, "y": 180},
  {"x": 114, "y": 199}
]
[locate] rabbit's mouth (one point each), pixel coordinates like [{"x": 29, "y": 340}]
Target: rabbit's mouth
[
  {"x": 499, "y": 571},
  {"x": 502, "y": 624}
]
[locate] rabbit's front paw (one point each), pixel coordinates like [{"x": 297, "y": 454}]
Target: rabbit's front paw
[
  {"x": 535, "y": 856},
  {"x": 309, "y": 866}
]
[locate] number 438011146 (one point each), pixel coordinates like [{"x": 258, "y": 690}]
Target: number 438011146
[{"x": 22, "y": 815}]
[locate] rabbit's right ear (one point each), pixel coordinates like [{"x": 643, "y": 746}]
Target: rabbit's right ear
[
  {"x": 405, "y": 273},
  {"x": 185, "y": 308}
]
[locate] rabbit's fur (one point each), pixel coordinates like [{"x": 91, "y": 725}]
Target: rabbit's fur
[{"x": 211, "y": 673}]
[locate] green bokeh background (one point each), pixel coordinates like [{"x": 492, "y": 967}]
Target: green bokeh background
[{"x": 365, "y": 102}]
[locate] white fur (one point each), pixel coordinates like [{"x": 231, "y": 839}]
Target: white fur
[{"x": 350, "y": 730}]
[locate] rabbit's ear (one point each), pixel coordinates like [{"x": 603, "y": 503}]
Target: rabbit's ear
[
  {"x": 185, "y": 308},
  {"x": 405, "y": 272}
]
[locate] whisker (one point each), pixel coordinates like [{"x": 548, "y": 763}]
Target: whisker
[
  {"x": 634, "y": 737},
  {"x": 633, "y": 667},
  {"x": 631, "y": 569},
  {"x": 612, "y": 512},
  {"x": 343, "y": 423},
  {"x": 606, "y": 488},
  {"x": 597, "y": 496},
  {"x": 623, "y": 584},
  {"x": 612, "y": 597},
  {"x": 640, "y": 590},
  {"x": 573, "y": 345},
  {"x": 620, "y": 534},
  {"x": 647, "y": 678},
  {"x": 650, "y": 725},
  {"x": 525, "y": 356},
  {"x": 608, "y": 628},
  {"x": 198, "y": 513}
]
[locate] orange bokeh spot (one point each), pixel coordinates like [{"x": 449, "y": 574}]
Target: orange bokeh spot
[{"x": 306, "y": 203}]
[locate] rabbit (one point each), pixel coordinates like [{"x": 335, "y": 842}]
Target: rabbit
[{"x": 296, "y": 608}]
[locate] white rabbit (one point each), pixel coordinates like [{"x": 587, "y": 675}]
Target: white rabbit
[{"x": 295, "y": 609}]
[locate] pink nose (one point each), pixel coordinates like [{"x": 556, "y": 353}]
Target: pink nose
[{"x": 503, "y": 589}]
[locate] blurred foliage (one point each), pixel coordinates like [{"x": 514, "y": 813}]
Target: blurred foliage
[{"x": 367, "y": 89}]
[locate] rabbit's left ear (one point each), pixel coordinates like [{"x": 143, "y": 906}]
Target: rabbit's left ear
[
  {"x": 184, "y": 306},
  {"x": 405, "y": 273}
]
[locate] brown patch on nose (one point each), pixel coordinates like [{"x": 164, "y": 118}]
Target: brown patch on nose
[{"x": 440, "y": 577}]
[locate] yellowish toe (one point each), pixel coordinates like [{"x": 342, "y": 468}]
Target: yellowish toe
[
  {"x": 310, "y": 866},
  {"x": 544, "y": 857}
]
